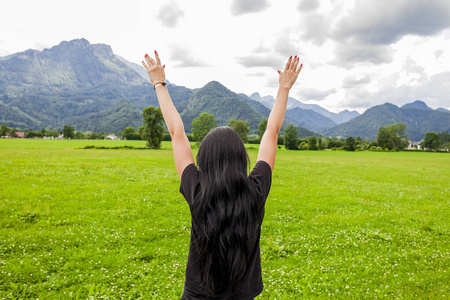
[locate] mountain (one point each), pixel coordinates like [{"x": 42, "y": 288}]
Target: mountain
[
  {"x": 216, "y": 99},
  {"x": 88, "y": 86},
  {"x": 267, "y": 101},
  {"x": 115, "y": 119},
  {"x": 344, "y": 116},
  {"x": 257, "y": 106},
  {"x": 419, "y": 121},
  {"x": 443, "y": 110},
  {"x": 135, "y": 67},
  {"x": 263, "y": 110},
  {"x": 70, "y": 66},
  {"x": 337, "y": 118},
  {"x": 418, "y": 105},
  {"x": 71, "y": 81},
  {"x": 309, "y": 119}
]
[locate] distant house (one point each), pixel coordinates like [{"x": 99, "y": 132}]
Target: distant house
[
  {"x": 18, "y": 134},
  {"x": 415, "y": 145},
  {"x": 111, "y": 136},
  {"x": 61, "y": 136}
]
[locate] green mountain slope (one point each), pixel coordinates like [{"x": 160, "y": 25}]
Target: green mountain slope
[
  {"x": 418, "y": 122},
  {"x": 216, "y": 99},
  {"x": 115, "y": 119}
]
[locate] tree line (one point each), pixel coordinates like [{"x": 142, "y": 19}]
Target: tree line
[{"x": 390, "y": 137}]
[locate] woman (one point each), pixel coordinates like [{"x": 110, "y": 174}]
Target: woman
[{"x": 227, "y": 206}]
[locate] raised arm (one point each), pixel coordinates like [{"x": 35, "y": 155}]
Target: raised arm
[
  {"x": 182, "y": 152},
  {"x": 268, "y": 146}
]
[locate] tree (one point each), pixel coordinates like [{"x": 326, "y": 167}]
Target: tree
[
  {"x": 241, "y": 127},
  {"x": 52, "y": 132},
  {"x": 128, "y": 133},
  {"x": 324, "y": 143},
  {"x": 43, "y": 131},
  {"x": 349, "y": 144},
  {"x": 358, "y": 142},
  {"x": 262, "y": 128},
  {"x": 431, "y": 141},
  {"x": 79, "y": 135},
  {"x": 152, "y": 129},
  {"x": 4, "y": 130},
  {"x": 312, "y": 143},
  {"x": 290, "y": 137},
  {"x": 68, "y": 132},
  {"x": 202, "y": 125},
  {"x": 33, "y": 134},
  {"x": 391, "y": 136},
  {"x": 445, "y": 138}
]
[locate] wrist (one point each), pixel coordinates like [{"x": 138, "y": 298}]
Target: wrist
[
  {"x": 286, "y": 87},
  {"x": 159, "y": 83},
  {"x": 160, "y": 87}
]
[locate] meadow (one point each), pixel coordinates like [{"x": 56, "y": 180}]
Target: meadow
[{"x": 111, "y": 224}]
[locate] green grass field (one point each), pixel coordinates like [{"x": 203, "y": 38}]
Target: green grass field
[{"x": 111, "y": 224}]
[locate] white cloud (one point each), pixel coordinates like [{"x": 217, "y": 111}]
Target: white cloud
[
  {"x": 240, "y": 7},
  {"x": 253, "y": 61},
  {"x": 316, "y": 28},
  {"x": 356, "y": 53},
  {"x": 349, "y": 55},
  {"x": 434, "y": 91},
  {"x": 169, "y": 14},
  {"x": 308, "y": 5},
  {"x": 384, "y": 22},
  {"x": 184, "y": 57},
  {"x": 315, "y": 94},
  {"x": 287, "y": 45},
  {"x": 366, "y": 33},
  {"x": 354, "y": 81}
]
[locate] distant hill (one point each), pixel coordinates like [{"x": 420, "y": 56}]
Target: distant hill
[
  {"x": 216, "y": 99},
  {"x": 419, "y": 121},
  {"x": 418, "y": 105},
  {"x": 443, "y": 110},
  {"x": 263, "y": 110},
  {"x": 344, "y": 116},
  {"x": 309, "y": 119},
  {"x": 339, "y": 118},
  {"x": 267, "y": 101}
]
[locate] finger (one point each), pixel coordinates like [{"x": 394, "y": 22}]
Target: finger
[
  {"x": 145, "y": 66},
  {"x": 297, "y": 61},
  {"x": 288, "y": 64},
  {"x": 299, "y": 69},
  {"x": 158, "y": 61},
  {"x": 294, "y": 63},
  {"x": 149, "y": 60}
]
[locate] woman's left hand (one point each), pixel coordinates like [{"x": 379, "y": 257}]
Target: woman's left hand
[{"x": 154, "y": 69}]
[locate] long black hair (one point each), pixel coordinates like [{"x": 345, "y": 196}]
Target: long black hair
[{"x": 227, "y": 214}]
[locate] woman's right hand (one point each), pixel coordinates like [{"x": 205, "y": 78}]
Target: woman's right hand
[{"x": 290, "y": 73}]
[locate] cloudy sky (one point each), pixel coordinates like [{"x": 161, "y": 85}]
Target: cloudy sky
[{"x": 356, "y": 54}]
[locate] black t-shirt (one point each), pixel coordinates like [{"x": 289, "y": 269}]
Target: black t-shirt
[{"x": 261, "y": 178}]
